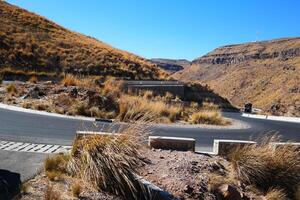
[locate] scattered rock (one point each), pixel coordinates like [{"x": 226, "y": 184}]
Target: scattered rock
[
  {"x": 35, "y": 93},
  {"x": 73, "y": 92},
  {"x": 188, "y": 189}
]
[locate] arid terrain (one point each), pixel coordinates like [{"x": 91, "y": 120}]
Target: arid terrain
[
  {"x": 266, "y": 74},
  {"x": 32, "y": 45}
]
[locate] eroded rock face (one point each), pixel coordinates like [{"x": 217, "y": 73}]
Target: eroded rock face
[{"x": 263, "y": 73}]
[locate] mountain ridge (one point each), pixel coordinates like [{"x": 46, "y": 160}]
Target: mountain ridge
[{"x": 265, "y": 73}]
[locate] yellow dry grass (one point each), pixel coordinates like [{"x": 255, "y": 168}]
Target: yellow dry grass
[
  {"x": 209, "y": 117},
  {"x": 133, "y": 108}
]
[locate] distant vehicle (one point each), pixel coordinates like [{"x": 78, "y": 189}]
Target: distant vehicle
[{"x": 248, "y": 108}]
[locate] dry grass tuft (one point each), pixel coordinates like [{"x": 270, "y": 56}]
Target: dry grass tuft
[
  {"x": 268, "y": 167},
  {"x": 276, "y": 194},
  {"x": 109, "y": 162},
  {"x": 11, "y": 89},
  {"x": 133, "y": 108},
  {"x": 56, "y": 166},
  {"x": 208, "y": 117},
  {"x": 33, "y": 79},
  {"x": 70, "y": 80},
  {"x": 50, "y": 194}
]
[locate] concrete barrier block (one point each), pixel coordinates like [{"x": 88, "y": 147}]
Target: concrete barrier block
[
  {"x": 172, "y": 143},
  {"x": 223, "y": 147}
]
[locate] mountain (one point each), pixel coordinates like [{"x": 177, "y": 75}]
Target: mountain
[
  {"x": 265, "y": 73},
  {"x": 171, "y": 65},
  {"x": 31, "y": 44}
]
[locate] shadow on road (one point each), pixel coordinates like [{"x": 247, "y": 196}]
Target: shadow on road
[{"x": 9, "y": 184}]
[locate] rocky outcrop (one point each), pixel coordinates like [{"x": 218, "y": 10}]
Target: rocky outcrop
[
  {"x": 234, "y": 54},
  {"x": 266, "y": 74},
  {"x": 171, "y": 65}
]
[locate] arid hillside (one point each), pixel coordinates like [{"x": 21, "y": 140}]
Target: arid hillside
[
  {"x": 33, "y": 45},
  {"x": 265, "y": 73},
  {"x": 171, "y": 65}
]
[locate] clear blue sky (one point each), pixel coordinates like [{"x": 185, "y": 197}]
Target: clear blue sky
[{"x": 173, "y": 28}]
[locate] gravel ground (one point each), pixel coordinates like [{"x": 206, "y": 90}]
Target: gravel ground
[{"x": 183, "y": 174}]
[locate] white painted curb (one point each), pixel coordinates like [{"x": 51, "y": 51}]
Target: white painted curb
[
  {"x": 271, "y": 117},
  {"x": 38, "y": 112}
]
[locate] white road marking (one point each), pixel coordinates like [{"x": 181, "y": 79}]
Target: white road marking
[{"x": 33, "y": 148}]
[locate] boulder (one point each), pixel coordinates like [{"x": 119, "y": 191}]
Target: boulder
[{"x": 35, "y": 93}]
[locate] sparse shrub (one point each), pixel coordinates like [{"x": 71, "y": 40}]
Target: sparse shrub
[
  {"x": 113, "y": 87},
  {"x": 33, "y": 79},
  {"x": 11, "y": 89},
  {"x": 70, "y": 80},
  {"x": 25, "y": 188},
  {"x": 109, "y": 162},
  {"x": 80, "y": 109},
  {"x": 50, "y": 194},
  {"x": 268, "y": 167},
  {"x": 208, "y": 117},
  {"x": 76, "y": 189},
  {"x": 56, "y": 166},
  {"x": 132, "y": 108},
  {"x": 40, "y": 106},
  {"x": 148, "y": 94}
]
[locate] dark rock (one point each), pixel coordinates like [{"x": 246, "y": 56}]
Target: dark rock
[
  {"x": 35, "y": 93},
  {"x": 188, "y": 189},
  {"x": 73, "y": 92}
]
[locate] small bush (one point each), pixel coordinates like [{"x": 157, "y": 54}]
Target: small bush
[
  {"x": 132, "y": 108},
  {"x": 33, "y": 79},
  {"x": 56, "y": 166},
  {"x": 70, "y": 80},
  {"x": 268, "y": 168},
  {"x": 11, "y": 89},
  {"x": 109, "y": 163},
  {"x": 208, "y": 117}
]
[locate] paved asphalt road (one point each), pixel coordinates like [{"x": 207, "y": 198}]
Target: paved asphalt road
[{"x": 25, "y": 127}]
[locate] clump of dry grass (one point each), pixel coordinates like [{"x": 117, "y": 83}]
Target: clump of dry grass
[
  {"x": 109, "y": 162},
  {"x": 113, "y": 87},
  {"x": 208, "y": 117},
  {"x": 51, "y": 194},
  {"x": 132, "y": 108},
  {"x": 33, "y": 79},
  {"x": 71, "y": 80},
  {"x": 267, "y": 167},
  {"x": 56, "y": 166},
  {"x": 276, "y": 194},
  {"x": 11, "y": 89}
]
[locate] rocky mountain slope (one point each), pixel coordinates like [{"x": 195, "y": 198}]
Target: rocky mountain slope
[
  {"x": 265, "y": 73},
  {"x": 171, "y": 65},
  {"x": 33, "y": 45}
]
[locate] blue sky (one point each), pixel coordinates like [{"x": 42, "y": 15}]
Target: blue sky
[{"x": 173, "y": 28}]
